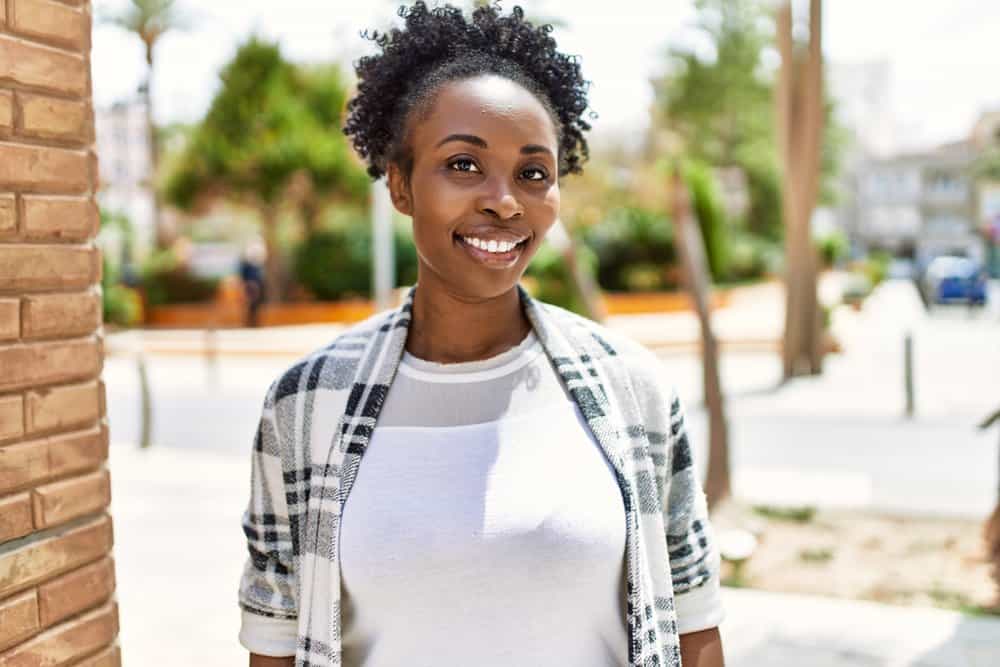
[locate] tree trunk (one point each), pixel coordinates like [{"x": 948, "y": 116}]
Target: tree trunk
[
  {"x": 162, "y": 236},
  {"x": 691, "y": 250},
  {"x": 274, "y": 269},
  {"x": 800, "y": 121}
]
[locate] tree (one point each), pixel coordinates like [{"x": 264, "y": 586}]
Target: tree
[
  {"x": 691, "y": 250},
  {"x": 271, "y": 136},
  {"x": 800, "y": 123},
  {"x": 150, "y": 20},
  {"x": 718, "y": 102}
]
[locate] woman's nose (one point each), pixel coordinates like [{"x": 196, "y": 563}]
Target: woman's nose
[{"x": 501, "y": 202}]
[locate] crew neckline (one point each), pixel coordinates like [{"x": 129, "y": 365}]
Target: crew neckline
[{"x": 498, "y": 365}]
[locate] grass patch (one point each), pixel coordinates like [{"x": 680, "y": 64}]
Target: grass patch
[{"x": 803, "y": 514}]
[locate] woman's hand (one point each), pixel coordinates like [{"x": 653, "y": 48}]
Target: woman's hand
[
  {"x": 702, "y": 649},
  {"x": 267, "y": 661}
]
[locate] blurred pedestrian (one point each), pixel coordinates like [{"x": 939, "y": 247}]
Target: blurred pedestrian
[
  {"x": 522, "y": 491},
  {"x": 251, "y": 270}
]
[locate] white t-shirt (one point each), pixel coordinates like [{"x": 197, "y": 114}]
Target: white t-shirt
[{"x": 463, "y": 540}]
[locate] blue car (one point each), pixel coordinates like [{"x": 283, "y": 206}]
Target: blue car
[{"x": 950, "y": 279}]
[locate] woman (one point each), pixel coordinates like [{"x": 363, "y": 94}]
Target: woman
[{"x": 527, "y": 494}]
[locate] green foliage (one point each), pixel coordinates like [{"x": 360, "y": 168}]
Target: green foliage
[
  {"x": 833, "y": 247},
  {"x": 751, "y": 256},
  {"x": 708, "y": 208},
  {"x": 336, "y": 262},
  {"x": 721, "y": 105},
  {"x": 549, "y": 279},
  {"x": 803, "y": 514},
  {"x": 121, "y": 305},
  {"x": 269, "y": 121},
  {"x": 876, "y": 266},
  {"x": 167, "y": 281},
  {"x": 630, "y": 244}
]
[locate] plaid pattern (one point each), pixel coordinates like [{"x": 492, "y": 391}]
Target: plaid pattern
[{"x": 317, "y": 420}]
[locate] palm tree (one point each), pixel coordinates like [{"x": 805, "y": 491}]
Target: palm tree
[{"x": 150, "y": 20}]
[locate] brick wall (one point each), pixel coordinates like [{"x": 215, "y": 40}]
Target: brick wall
[{"x": 57, "y": 581}]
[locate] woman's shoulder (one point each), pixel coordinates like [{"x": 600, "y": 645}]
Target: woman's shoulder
[{"x": 334, "y": 363}]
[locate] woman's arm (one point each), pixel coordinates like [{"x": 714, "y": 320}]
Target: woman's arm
[
  {"x": 267, "y": 661},
  {"x": 702, "y": 649}
]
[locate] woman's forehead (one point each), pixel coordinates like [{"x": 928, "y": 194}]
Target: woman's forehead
[{"x": 489, "y": 106}]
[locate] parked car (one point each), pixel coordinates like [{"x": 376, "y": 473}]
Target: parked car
[{"x": 949, "y": 278}]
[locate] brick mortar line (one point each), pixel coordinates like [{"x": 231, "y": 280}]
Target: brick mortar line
[
  {"x": 7, "y": 83},
  {"x": 108, "y": 602},
  {"x": 55, "y": 531},
  {"x": 104, "y": 601},
  {"x": 10, "y": 31},
  {"x": 40, "y": 142},
  {"x": 21, "y": 241}
]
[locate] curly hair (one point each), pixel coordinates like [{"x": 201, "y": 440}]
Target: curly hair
[{"x": 440, "y": 45}]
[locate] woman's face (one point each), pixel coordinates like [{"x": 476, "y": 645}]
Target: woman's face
[{"x": 485, "y": 171}]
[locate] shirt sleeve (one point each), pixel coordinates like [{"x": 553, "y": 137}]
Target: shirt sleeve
[
  {"x": 268, "y": 591},
  {"x": 694, "y": 557}
]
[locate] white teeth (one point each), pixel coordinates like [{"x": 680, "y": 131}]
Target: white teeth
[{"x": 490, "y": 246}]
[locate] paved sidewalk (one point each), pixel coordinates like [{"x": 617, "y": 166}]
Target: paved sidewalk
[{"x": 179, "y": 550}]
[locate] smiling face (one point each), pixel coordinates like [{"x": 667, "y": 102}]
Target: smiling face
[{"x": 484, "y": 172}]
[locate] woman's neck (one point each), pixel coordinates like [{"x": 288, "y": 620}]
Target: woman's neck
[{"x": 448, "y": 329}]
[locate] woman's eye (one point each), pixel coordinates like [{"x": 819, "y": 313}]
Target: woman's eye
[
  {"x": 463, "y": 164},
  {"x": 539, "y": 174}
]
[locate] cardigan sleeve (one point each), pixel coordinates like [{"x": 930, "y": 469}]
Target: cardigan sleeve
[
  {"x": 268, "y": 589},
  {"x": 694, "y": 557}
]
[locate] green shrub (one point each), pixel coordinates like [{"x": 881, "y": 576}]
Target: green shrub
[
  {"x": 752, "y": 257},
  {"x": 876, "y": 266},
  {"x": 336, "y": 263},
  {"x": 167, "y": 281},
  {"x": 833, "y": 247},
  {"x": 549, "y": 279},
  {"x": 631, "y": 237},
  {"x": 121, "y": 305},
  {"x": 710, "y": 212}
]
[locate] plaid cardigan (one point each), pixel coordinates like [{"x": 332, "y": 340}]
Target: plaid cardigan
[{"x": 317, "y": 420}]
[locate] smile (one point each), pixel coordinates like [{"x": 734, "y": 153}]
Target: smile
[{"x": 502, "y": 255}]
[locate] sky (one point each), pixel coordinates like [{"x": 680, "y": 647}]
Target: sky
[{"x": 941, "y": 57}]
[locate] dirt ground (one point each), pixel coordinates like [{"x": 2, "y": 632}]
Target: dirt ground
[{"x": 921, "y": 562}]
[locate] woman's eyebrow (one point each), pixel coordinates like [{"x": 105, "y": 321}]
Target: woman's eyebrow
[
  {"x": 527, "y": 149},
  {"x": 466, "y": 138}
]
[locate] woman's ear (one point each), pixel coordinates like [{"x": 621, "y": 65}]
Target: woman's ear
[{"x": 399, "y": 190}]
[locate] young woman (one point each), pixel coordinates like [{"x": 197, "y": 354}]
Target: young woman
[{"x": 475, "y": 477}]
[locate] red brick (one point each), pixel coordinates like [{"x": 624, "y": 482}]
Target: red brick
[
  {"x": 15, "y": 517},
  {"x": 8, "y": 216},
  {"x": 23, "y": 464},
  {"x": 46, "y": 267},
  {"x": 62, "y": 315},
  {"x": 10, "y": 319},
  {"x": 53, "y": 118},
  {"x": 36, "y": 65},
  {"x": 6, "y": 110},
  {"x": 51, "y": 21},
  {"x": 18, "y": 619},
  {"x": 74, "y": 592},
  {"x": 11, "y": 417},
  {"x": 78, "y": 451},
  {"x": 111, "y": 657},
  {"x": 49, "y": 363},
  {"x": 59, "y": 218},
  {"x": 43, "y": 167},
  {"x": 61, "y": 501},
  {"x": 34, "y": 563},
  {"x": 68, "y": 642},
  {"x": 59, "y": 408}
]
